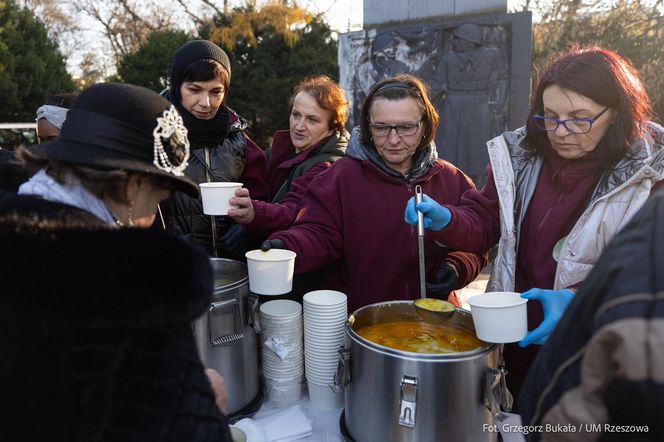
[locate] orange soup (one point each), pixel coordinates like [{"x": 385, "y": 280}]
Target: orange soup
[{"x": 421, "y": 336}]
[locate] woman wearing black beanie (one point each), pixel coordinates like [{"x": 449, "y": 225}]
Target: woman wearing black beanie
[{"x": 199, "y": 81}]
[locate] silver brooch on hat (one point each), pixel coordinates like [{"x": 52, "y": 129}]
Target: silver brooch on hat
[{"x": 171, "y": 127}]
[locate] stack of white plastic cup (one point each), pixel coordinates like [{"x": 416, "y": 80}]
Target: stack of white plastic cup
[
  {"x": 282, "y": 350},
  {"x": 325, "y": 314}
]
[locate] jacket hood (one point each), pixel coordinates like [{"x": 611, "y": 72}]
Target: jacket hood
[
  {"x": 336, "y": 144},
  {"x": 64, "y": 275},
  {"x": 422, "y": 160}
]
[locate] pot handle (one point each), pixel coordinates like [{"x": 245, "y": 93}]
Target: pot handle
[
  {"x": 408, "y": 401},
  {"x": 225, "y": 323},
  {"x": 497, "y": 397},
  {"x": 342, "y": 375},
  {"x": 253, "y": 313}
]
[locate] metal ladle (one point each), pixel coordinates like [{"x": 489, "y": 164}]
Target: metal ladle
[{"x": 430, "y": 309}]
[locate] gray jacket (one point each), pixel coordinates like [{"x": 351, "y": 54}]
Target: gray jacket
[{"x": 619, "y": 194}]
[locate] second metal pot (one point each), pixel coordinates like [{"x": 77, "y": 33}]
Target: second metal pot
[{"x": 224, "y": 337}]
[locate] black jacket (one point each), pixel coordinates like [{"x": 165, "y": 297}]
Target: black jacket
[
  {"x": 95, "y": 330},
  {"x": 236, "y": 159},
  {"x": 601, "y": 373}
]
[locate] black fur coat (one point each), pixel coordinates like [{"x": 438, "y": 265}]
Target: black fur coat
[
  {"x": 95, "y": 330},
  {"x": 12, "y": 172}
]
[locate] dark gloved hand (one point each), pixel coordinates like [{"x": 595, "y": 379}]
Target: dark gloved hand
[
  {"x": 436, "y": 217},
  {"x": 554, "y": 303},
  {"x": 447, "y": 280},
  {"x": 234, "y": 241},
  {"x": 272, "y": 244}
]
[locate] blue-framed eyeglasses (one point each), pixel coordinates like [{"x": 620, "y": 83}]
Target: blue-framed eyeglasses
[{"x": 573, "y": 125}]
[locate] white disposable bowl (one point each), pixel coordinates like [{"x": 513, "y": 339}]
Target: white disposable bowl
[
  {"x": 271, "y": 272},
  {"x": 499, "y": 317},
  {"x": 281, "y": 308},
  {"x": 215, "y": 197},
  {"x": 322, "y": 396},
  {"x": 325, "y": 298}
]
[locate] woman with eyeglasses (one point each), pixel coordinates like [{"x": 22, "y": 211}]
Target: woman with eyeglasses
[
  {"x": 558, "y": 189},
  {"x": 347, "y": 225}
]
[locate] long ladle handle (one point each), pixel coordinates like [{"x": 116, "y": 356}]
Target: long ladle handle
[{"x": 420, "y": 243}]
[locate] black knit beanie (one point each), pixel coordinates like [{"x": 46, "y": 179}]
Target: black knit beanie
[{"x": 192, "y": 51}]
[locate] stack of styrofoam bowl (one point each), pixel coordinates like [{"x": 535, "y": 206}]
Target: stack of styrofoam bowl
[
  {"x": 282, "y": 350},
  {"x": 325, "y": 314}
]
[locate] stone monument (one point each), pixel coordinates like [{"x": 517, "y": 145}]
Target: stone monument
[{"x": 477, "y": 66}]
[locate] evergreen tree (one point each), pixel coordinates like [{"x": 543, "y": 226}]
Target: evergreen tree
[
  {"x": 149, "y": 65},
  {"x": 31, "y": 67},
  {"x": 273, "y": 49}
]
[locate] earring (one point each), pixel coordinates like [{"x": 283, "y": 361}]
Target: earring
[{"x": 130, "y": 213}]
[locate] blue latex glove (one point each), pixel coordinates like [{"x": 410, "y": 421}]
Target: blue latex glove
[
  {"x": 436, "y": 217},
  {"x": 554, "y": 303}
]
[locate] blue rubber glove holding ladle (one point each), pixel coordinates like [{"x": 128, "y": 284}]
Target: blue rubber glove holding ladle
[{"x": 554, "y": 302}]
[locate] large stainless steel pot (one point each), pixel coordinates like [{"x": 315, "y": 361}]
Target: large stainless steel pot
[
  {"x": 393, "y": 395},
  {"x": 225, "y": 339}
]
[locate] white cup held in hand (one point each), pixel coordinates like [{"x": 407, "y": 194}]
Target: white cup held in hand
[
  {"x": 499, "y": 317},
  {"x": 216, "y": 197},
  {"x": 270, "y": 272}
]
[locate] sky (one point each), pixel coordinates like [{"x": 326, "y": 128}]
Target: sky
[
  {"x": 342, "y": 16},
  {"x": 346, "y": 15}
]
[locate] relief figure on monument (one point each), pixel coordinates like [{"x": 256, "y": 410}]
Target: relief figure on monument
[
  {"x": 383, "y": 62},
  {"x": 469, "y": 84}
]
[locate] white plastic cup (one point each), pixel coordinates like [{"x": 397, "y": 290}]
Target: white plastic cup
[
  {"x": 322, "y": 396},
  {"x": 499, "y": 317},
  {"x": 215, "y": 197},
  {"x": 271, "y": 272}
]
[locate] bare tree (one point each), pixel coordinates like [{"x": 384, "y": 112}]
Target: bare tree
[
  {"x": 633, "y": 28},
  {"x": 126, "y": 24}
]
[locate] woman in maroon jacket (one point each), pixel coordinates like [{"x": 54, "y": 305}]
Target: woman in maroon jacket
[
  {"x": 315, "y": 139},
  {"x": 351, "y": 221}
]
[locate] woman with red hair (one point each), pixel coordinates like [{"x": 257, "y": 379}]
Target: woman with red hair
[{"x": 558, "y": 189}]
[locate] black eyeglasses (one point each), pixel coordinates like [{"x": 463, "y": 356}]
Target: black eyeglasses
[
  {"x": 404, "y": 130},
  {"x": 573, "y": 125}
]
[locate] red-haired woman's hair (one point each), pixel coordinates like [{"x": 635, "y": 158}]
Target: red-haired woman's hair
[
  {"x": 329, "y": 96},
  {"x": 607, "y": 79}
]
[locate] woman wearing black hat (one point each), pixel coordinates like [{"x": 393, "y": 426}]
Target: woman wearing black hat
[
  {"x": 95, "y": 318},
  {"x": 221, "y": 151}
]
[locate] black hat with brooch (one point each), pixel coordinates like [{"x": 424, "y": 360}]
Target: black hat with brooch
[{"x": 113, "y": 126}]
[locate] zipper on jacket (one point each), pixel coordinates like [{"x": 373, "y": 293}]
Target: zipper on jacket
[{"x": 213, "y": 222}]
